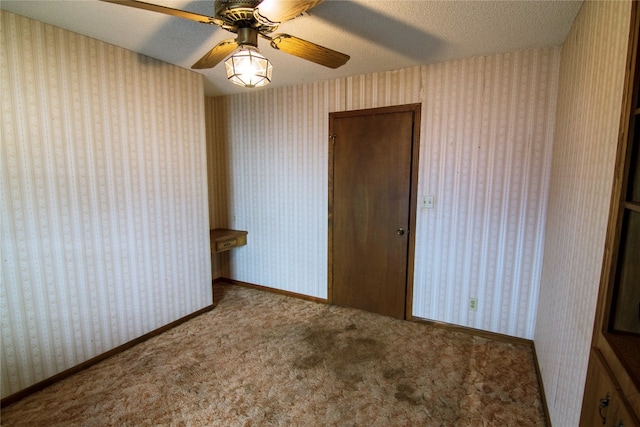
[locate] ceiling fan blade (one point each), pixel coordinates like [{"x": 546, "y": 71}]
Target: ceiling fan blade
[
  {"x": 276, "y": 11},
  {"x": 168, "y": 11},
  {"x": 215, "y": 55},
  {"x": 309, "y": 51}
]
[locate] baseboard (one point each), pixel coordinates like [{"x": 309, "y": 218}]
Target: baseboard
[
  {"x": 543, "y": 395},
  {"x": 268, "y": 289},
  {"x": 99, "y": 358},
  {"x": 473, "y": 331}
]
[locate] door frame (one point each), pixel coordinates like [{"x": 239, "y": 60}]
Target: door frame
[{"x": 413, "y": 191}]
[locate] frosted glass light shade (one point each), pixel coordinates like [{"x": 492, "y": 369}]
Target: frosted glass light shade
[{"x": 248, "y": 68}]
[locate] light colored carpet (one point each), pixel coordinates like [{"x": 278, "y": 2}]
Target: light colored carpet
[{"x": 262, "y": 359}]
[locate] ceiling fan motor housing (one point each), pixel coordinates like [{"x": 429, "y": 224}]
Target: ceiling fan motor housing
[{"x": 247, "y": 36}]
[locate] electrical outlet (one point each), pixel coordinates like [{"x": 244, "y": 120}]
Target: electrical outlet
[{"x": 473, "y": 304}]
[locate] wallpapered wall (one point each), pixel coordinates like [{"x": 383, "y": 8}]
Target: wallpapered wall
[
  {"x": 485, "y": 147},
  {"x": 103, "y": 190},
  {"x": 589, "y": 106}
]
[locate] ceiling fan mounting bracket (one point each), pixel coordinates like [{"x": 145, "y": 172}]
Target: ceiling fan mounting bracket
[{"x": 240, "y": 14}]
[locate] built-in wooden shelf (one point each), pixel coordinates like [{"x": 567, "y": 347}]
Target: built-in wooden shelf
[
  {"x": 612, "y": 389},
  {"x": 634, "y": 206},
  {"x": 223, "y": 239}
]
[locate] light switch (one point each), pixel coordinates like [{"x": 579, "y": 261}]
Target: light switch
[{"x": 427, "y": 202}]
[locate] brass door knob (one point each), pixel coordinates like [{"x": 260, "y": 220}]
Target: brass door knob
[{"x": 400, "y": 231}]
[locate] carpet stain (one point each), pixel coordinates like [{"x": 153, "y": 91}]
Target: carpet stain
[
  {"x": 347, "y": 355},
  {"x": 308, "y": 362},
  {"x": 405, "y": 394},
  {"x": 352, "y": 356},
  {"x": 389, "y": 374}
]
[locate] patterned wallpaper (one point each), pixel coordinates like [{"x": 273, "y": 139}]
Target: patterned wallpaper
[
  {"x": 586, "y": 138},
  {"x": 486, "y": 157},
  {"x": 486, "y": 138},
  {"x": 103, "y": 198}
]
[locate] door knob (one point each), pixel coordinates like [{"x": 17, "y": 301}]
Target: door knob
[{"x": 400, "y": 231}]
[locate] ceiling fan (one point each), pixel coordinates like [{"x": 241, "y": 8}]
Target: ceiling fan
[{"x": 249, "y": 19}]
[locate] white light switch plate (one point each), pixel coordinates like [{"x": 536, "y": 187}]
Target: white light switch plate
[{"x": 427, "y": 202}]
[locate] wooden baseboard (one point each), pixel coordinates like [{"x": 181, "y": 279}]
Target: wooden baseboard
[
  {"x": 543, "y": 395},
  {"x": 99, "y": 358},
  {"x": 268, "y": 289},
  {"x": 472, "y": 331}
]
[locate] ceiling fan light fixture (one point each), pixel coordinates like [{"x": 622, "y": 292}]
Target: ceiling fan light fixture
[{"x": 249, "y": 68}]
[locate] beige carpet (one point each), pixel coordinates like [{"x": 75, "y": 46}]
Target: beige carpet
[{"x": 261, "y": 359}]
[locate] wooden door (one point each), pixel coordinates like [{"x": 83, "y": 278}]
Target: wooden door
[{"x": 372, "y": 165}]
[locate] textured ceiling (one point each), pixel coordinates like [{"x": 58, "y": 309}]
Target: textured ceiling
[{"x": 378, "y": 35}]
